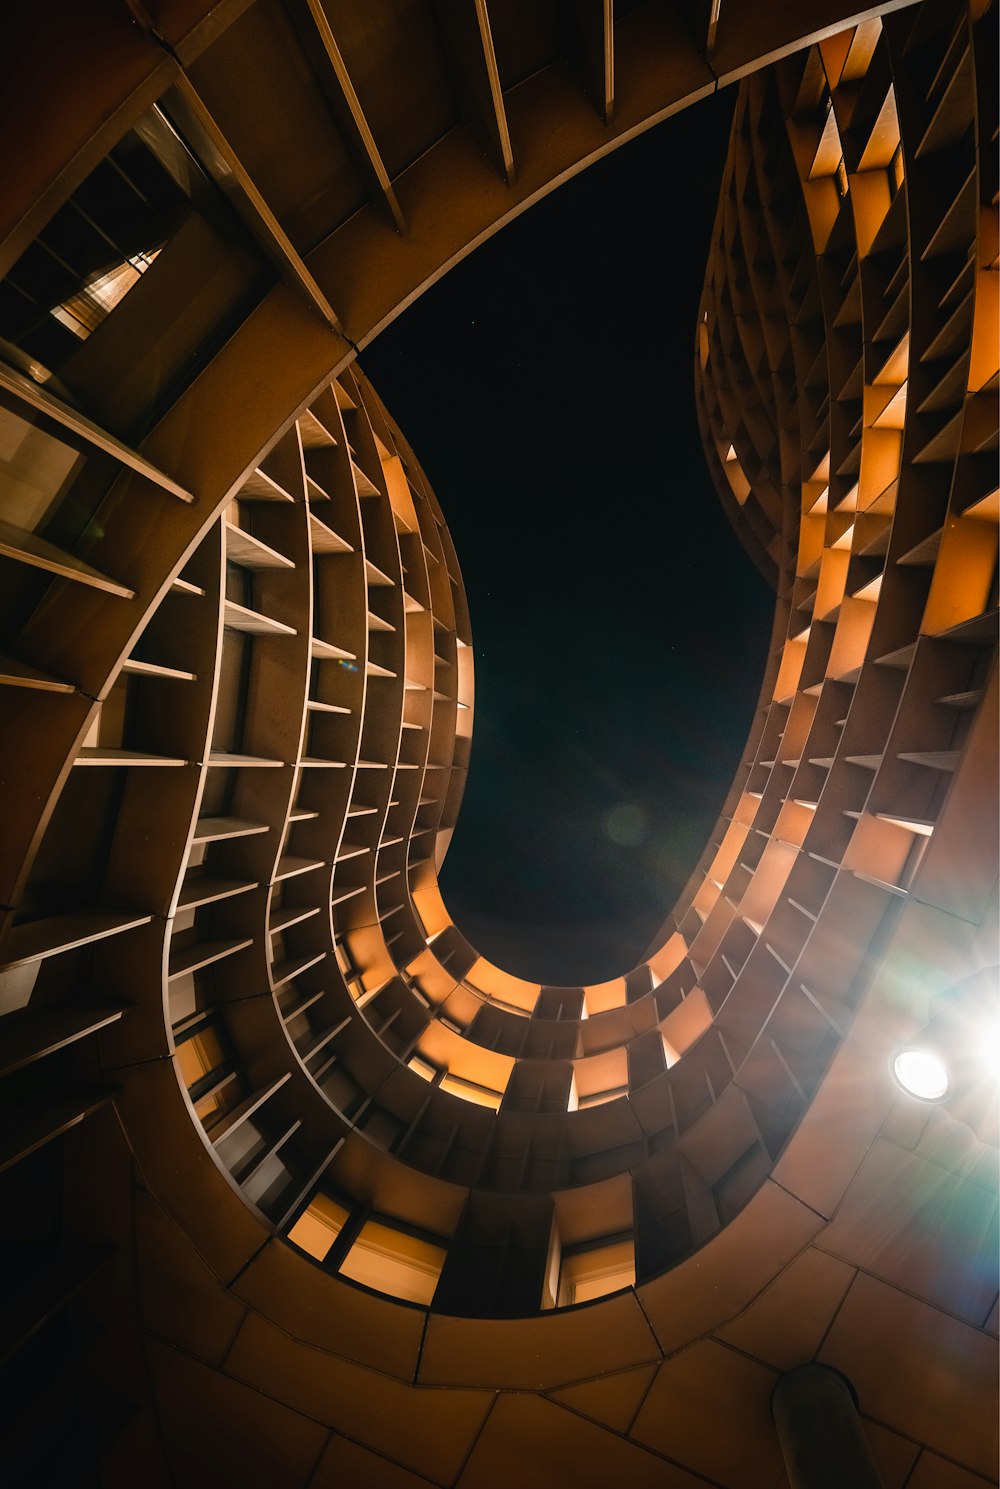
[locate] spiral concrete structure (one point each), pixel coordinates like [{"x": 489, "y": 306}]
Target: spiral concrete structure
[{"x": 298, "y": 1188}]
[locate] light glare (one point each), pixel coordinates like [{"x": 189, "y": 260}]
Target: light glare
[
  {"x": 921, "y": 1073},
  {"x": 989, "y": 1050}
]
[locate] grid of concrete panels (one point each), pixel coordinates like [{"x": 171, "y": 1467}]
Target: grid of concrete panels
[{"x": 626, "y": 1126}]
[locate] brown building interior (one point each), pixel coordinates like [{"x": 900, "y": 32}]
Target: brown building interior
[{"x": 296, "y": 1187}]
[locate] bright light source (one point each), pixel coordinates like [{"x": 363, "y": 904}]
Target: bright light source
[
  {"x": 921, "y": 1073},
  {"x": 989, "y": 1050}
]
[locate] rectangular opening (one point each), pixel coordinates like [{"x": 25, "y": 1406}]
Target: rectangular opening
[
  {"x": 469, "y": 1091},
  {"x": 202, "y": 1060},
  {"x": 596, "y": 1271},
  {"x": 318, "y": 1226},
  {"x": 394, "y": 1261}
]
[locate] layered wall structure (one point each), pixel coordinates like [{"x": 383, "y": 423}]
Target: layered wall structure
[{"x": 344, "y": 1201}]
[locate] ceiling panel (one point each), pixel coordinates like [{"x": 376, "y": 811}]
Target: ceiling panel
[
  {"x": 612, "y": 1400},
  {"x": 348, "y": 1463},
  {"x": 223, "y": 1432},
  {"x": 692, "y": 1395},
  {"x": 894, "y": 1455},
  {"x": 182, "y": 1299},
  {"x": 330, "y": 1313},
  {"x": 535, "y": 1444},
  {"x": 543, "y": 1352},
  {"x": 947, "y": 1141},
  {"x": 918, "y": 1370},
  {"x": 422, "y": 1429},
  {"x": 724, "y": 1276},
  {"x": 923, "y": 1228},
  {"x": 936, "y": 1473},
  {"x": 785, "y": 1326}
]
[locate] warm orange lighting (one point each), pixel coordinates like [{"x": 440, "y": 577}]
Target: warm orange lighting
[
  {"x": 319, "y": 1225},
  {"x": 470, "y": 1091},
  {"x": 585, "y": 1275},
  {"x": 394, "y": 1262}
]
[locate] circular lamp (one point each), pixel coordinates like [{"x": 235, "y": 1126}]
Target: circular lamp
[{"x": 921, "y": 1072}]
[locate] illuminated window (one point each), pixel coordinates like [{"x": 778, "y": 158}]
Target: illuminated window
[
  {"x": 318, "y": 1226},
  {"x": 426, "y": 1071},
  {"x": 203, "y": 1063},
  {"x": 394, "y": 1261},
  {"x": 83, "y": 312},
  {"x": 734, "y": 473},
  {"x": 344, "y": 961},
  {"x": 596, "y": 1271},
  {"x": 469, "y": 1091},
  {"x": 598, "y": 1098}
]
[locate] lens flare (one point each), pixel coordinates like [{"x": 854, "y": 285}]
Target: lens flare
[
  {"x": 921, "y": 1073},
  {"x": 626, "y": 824},
  {"x": 989, "y": 1049}
]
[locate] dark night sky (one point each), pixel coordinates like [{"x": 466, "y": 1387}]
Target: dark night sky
[{"x": 546, "y": 386}]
